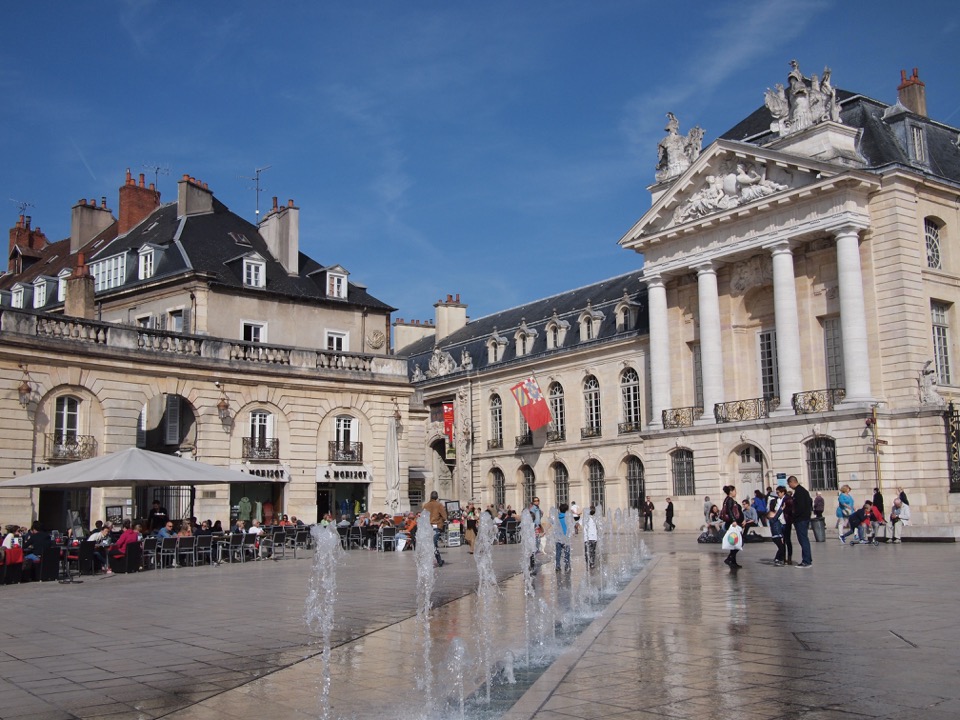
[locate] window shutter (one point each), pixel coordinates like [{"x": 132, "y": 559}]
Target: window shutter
[
  {"x": 142, "y": 428},
  {"x": 187, "y": 330},
  {"x": 172, "y": 421}
]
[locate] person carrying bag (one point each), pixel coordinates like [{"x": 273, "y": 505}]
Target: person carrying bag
[{"x": 732, "y": 515}]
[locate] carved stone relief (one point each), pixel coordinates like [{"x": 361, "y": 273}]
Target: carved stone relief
[
  {"x": 441, "y": 363},
  {"x": 675, "y": 152},
  {"x": 755, "y": 272},
  {"x": 737, "y": 183}
]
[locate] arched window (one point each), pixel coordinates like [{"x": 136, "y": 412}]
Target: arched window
[
  {"x": 66, "y": 421},
  {"x": 529, "y": 486},
  {"x": 346, "y": 446},
  {"x": 931, "y": 233},
  {"x": 822, "y": 464},
  {"x": 558, "y": 429},
  {"x": 598, "y": 494},
  {"x": 591, "y": 408},
  {"x": 636, "y": 485},
  {"x": 683, "y": 479},
  {"x": 496, "y": 423},
  {"x": 630, "y": 397},
  {"x": 588, "y": 329},
  {"x": 499, "y": 487},
  {"x": 261, "y": 444},
  {"x": 561, "y": 481}
]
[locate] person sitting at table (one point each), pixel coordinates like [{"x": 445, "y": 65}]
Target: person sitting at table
[
  {"x": 285, "y": 521},
  {"x": 344, "y": 522},
  {"x": 327, "y": 520},
  {"x": 118, "y": 550},
  {"x": 298, "y": 523},
  {"x": 101, "y": 537},
  {"x": 36, "y": 541},
  {"x": 186, "y": 529},
  {"x": 10, "y": 539},
  {"x": 166, "y": 531},
  {"x": 255, "y": 528},
  {"x": 217, "y": 528},
  {"x": 239, "y": 528},
  {"x": 205, "y": 529},
  {"x": 407, "y": 535}
]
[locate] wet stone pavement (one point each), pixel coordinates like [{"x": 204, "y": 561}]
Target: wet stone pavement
[{"x": 867, "y": 632}]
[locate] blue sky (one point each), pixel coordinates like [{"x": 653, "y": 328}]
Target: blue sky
[{"x": 497, "y": 150}]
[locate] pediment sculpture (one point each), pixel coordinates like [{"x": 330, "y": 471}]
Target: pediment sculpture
[
  {"x": 441, "y": 363},
  {"x": 737, "y": 184},
  {"x": 675, "y": 152},
  {"x": 466, "y": 360},
  {"x": 804, "y": 102}
]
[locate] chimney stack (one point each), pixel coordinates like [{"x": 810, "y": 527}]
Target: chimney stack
[
  {"x": 24, "y": 236},
  {"x": 912, "y": 93},
  {"x": 87, "y": 221},
  {"x": 280, "y": 229},
  {"x": 136, "y": 202},
  {"x": 193, "y": 197},
  {"x": 79, "y": 296},
  {"x": 450, "y": 315}
]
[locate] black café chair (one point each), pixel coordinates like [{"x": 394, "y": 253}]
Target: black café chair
[
  {"x": 203, "y": 547},
  {"x": 50, "y": 563},
  {"x": 82, "y": 555},
  {"x": 129, "y": 561},
  {"x": 186, "y": 550},
  {"x": 150, "y": 553},
  {"x": 387, "y": 539},
  {"x": 168, "y": 550}
]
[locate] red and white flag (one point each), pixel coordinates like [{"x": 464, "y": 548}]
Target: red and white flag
[{"x": 533, "y": 406}]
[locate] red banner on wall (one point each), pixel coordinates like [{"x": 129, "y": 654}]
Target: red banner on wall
[{"x": 448, "y": 422}]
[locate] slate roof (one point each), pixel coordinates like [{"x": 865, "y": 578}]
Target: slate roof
[
  {"x": 212, "y": 244},
  {"x": 882, "y": 142},
  {"x": 603, "y": 297}
]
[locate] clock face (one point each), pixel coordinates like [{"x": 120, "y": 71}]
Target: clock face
[{"x": 376, "y": 339}]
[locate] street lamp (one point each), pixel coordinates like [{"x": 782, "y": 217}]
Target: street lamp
[
  {"x": 25, "y": 391},
  {"x": 223, "y": 406}
]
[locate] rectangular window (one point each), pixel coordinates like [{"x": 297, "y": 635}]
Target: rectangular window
[
  {"x": 254, "y": 333},
  {"x": 109, "y": 273},
  {"x": 919, "y": 148},
  {"x": 769, "y": 381},
  {"x": 833, "y": 352},
  {"x": 39, "y": 295},
  {"x": 684, "y": 482},
  {"x": 336, "y": 285},
  {"x": 146, "y": 265},
  {"x": 697, "y": 375},
  {"x": 175, "y": 321},
  {"x": 337, "y": 341},
  {"x": 941, "y": 340},
  {"x": 17, "y": 298},
  {"x": 62, "y": 287},
  {"x": 254, "y": 273}
]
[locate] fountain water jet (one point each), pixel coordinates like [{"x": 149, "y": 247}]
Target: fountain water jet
[{"x": 321, "y": 599}]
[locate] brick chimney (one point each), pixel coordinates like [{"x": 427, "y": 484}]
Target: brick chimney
[
  {"x": 451, "y": 315},
  {"x": 281, "y": 231},
  {"x": 912, "y": 93},
  {"x": 137, "y": 201},
  {"x": 24, "y": 236},
  {"x": 87, "y": 221},
  {"x": 79, "y": 293},
  {"x": 193, "y": 197}
]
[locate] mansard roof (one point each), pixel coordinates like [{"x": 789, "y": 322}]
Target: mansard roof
[
  {"x": 602, "y": 296},
  {"x": 881, "y": 142}
]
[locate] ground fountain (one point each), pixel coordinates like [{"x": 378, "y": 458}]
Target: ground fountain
[
  {"x": 321, "y": 600},
  {"x": 425, "y": 556}
]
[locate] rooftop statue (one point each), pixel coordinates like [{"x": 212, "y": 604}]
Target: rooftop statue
[
  {"x": 806, "y": 101},
  {"x": 675, "y": 151}
]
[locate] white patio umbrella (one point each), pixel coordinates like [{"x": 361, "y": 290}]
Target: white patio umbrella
[{"x": 131, "y": 468}]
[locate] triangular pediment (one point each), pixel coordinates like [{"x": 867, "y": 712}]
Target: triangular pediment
[{"x": 727, "y": 178}]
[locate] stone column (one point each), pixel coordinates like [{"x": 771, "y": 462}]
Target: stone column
[
  {"x": 853, "y": 317},
  {"x": 711, "y": 350},
  {"x": 788, "y": 325},
  {"x": 659, "y": 349}
]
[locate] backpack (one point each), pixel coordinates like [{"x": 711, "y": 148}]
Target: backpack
[{"x": 724, "y": 513}]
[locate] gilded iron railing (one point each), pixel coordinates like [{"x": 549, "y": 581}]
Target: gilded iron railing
[
  {"x": 625, "y": 428},
  {"x": 590, "y": 432},
  {"x": 750, "y": 409},
  {"x": 525, "y": 439},
  {"x": 496, "y": 444},
  {"x": 814, "y": 401},
  {"x": 681, "y": 417},
  {"x": 67, "y": 447},
  {"x": 554, "y": 435},
  {"x": 261, "y": 448}
]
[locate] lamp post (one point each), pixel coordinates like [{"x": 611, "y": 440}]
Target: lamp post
[{"x": 25, "y": 390}]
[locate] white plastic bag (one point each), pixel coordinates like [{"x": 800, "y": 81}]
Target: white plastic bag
[{"x": 733, "y": 538}]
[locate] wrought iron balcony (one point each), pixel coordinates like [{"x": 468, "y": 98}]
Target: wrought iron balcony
[
  {"x": 590, "y": 432},
  {"x": 814, "y": 401},
  {"x": 261, "y": 449},
  {"x": 525, "y": 439},
  {"x": 750, "y": 409},
  {"x": 681, "y": 417},
  {"x": 496, "y": 444},
  {"x": 554, "y": 435},
  {"x": 345, "y": 452},
  {"x": 625, "y": 428},
  {"x": 67, "y": 447}
]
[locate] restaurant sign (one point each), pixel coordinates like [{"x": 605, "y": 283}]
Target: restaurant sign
[{"x": 344, "y": 474}]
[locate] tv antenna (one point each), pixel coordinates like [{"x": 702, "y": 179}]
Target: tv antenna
[
  {"x": 158, "y": 170},
  {"x": 256, "y": 178},
  {"x": 22, "y": 206}
]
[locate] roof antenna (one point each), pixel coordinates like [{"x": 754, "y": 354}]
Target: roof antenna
[
  {"x": 256, "y": 178},
  {"x": 158, "y": 170},
  {"x": 22, "y": 206}
]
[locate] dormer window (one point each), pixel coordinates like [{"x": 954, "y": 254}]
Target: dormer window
[
  {"x": 336, "y": 285},
  {"x": 626, "y": 313},
  {"x": 110, "y": 272},
  {"x": 496, "y": 346},
  {"x": 145, "y": 267},
  {"x": 62, "y": 285},
  {"x": 556, "y": 332},
  {"x": 16, "y": 297},
  {"x": 39, "y": 293},
  {"x": 919, "y": 146},
  {"x": 254, "y": 272},
  {"x": 524, "y": 338},
  {"x": 590, "y": 320}
]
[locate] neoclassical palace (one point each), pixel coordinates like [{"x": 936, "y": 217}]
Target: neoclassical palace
[{"x": 793, "y": 316}]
